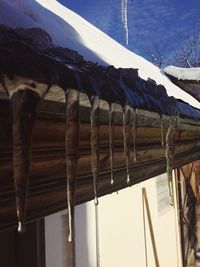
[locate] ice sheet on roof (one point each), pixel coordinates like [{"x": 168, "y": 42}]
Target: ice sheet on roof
[{"x": 34, "y": 55}]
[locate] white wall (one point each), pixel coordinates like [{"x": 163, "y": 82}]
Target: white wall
[
  {"x": 53, "y": 239},
  {"x": 121, "y": 231},
  {"x": 85, "y": 237},
  {"x": 122, "y": 239}
]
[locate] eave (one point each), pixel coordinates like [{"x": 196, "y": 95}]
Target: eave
[
  {"x": 192, "y": 87},
  {"x": 47, "y": 187},
  {"x": 113, "y": 123}
]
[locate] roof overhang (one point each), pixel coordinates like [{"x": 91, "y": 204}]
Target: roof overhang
[
  {"x": 47, "y": 185},
  {"x": 185, "y": 79}
]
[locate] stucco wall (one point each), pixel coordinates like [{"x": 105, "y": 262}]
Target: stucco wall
[{"x": 122, "y": 228}]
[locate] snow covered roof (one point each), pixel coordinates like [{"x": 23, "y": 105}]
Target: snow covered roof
[
  {"x": 186, "y": 78},
  {"x": 66, "y": 31},
  {"x": 183, "y": 73}
]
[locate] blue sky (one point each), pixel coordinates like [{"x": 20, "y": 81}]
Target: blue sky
[{"x": 169, "y": 22}]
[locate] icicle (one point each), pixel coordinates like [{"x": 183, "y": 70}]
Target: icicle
[
  {"x": 72, "y": 153},
  {"x": 111, "y": 139},
  {"x": 162, "y": 131},
  {"x": 126, "y": 134},
  {"x": 124, "y": 11},
  {"x": 94, "y": 119},
  {"x": 134, "y": 127},
  {"x": 24, "y": 104},
  {"x": 170, "y": 151}
]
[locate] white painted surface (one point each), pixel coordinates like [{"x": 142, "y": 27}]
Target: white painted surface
[
  {"x": 85, "y": 237},
  {"x": 162, "y": 192},
  {"x": 53, "y": 239},
  {"x": 121, "y": 231}
]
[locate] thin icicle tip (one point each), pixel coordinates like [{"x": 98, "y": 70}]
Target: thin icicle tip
[
  {"x": 111, "y": 141},
  {"x": 70, "y": 238},
  {"x": 21, "y": 227},
  {"x": 96, "y": 201},
  {"x": 124, "y": 13}
]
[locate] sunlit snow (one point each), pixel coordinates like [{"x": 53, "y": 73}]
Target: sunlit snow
[
  {"x": 70, "y": 30},
  {"x": 183, "y": 73}
]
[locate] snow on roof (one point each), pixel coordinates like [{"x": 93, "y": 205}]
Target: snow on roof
[
  {"x": 69, "y": 30},
  {"x": 190, "y": 74}
]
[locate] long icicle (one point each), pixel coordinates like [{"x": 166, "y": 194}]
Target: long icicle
[
  {"x": 72, "y": 153},
  {"x": 134, "y": 127},
  {"x": 24, "y": 106},
  {"x": 94, "y": 120},
  {"x": 111, "y": 139},
  {"x": 162, "y": 131},
  {"x": 170, "y": 152},
  {"x": 95, "y": 123},
  {"x": 126, "y": 134},
  {"x": 124, "y": 14}
]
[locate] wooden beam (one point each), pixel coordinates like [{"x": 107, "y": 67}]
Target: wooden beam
[{"x": 47, "y": 187}]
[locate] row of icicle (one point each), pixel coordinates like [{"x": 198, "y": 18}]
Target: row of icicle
[
  {"x": 72, "y": 150},
  {"x": 72, "y": 147}
]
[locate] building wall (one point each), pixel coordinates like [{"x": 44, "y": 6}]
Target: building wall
[{"x": 133, "y": 230}]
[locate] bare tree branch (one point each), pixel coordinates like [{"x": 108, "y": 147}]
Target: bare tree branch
[{"x": 188, "y": 55}]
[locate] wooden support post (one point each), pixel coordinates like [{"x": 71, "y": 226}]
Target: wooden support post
[{"x": 24, "y": 103}]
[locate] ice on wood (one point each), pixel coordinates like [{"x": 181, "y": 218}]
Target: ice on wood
[
  {"x": 72, "y": 153},
  {"x": 162, "y": 131},
  {"x": 126, "y": 134},
  {"x": 134, "y": 130},
  {"x": 111, "y": 139},
  {"x": 24, "y": 107},
  {"x": 169, "y": 153},
  {"x": 94, "y": 119}
]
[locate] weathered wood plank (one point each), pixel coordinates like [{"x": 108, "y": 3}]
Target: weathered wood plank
[{"x": 47, "y": 188}]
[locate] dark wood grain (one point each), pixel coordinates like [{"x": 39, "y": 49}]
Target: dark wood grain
[{"x": 47, "y": 186}]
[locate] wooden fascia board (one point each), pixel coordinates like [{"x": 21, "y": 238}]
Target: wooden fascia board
[{"x": 47, "y": 189}]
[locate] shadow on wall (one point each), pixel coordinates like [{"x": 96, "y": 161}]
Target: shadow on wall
[{"x": 84, "y": 238}]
